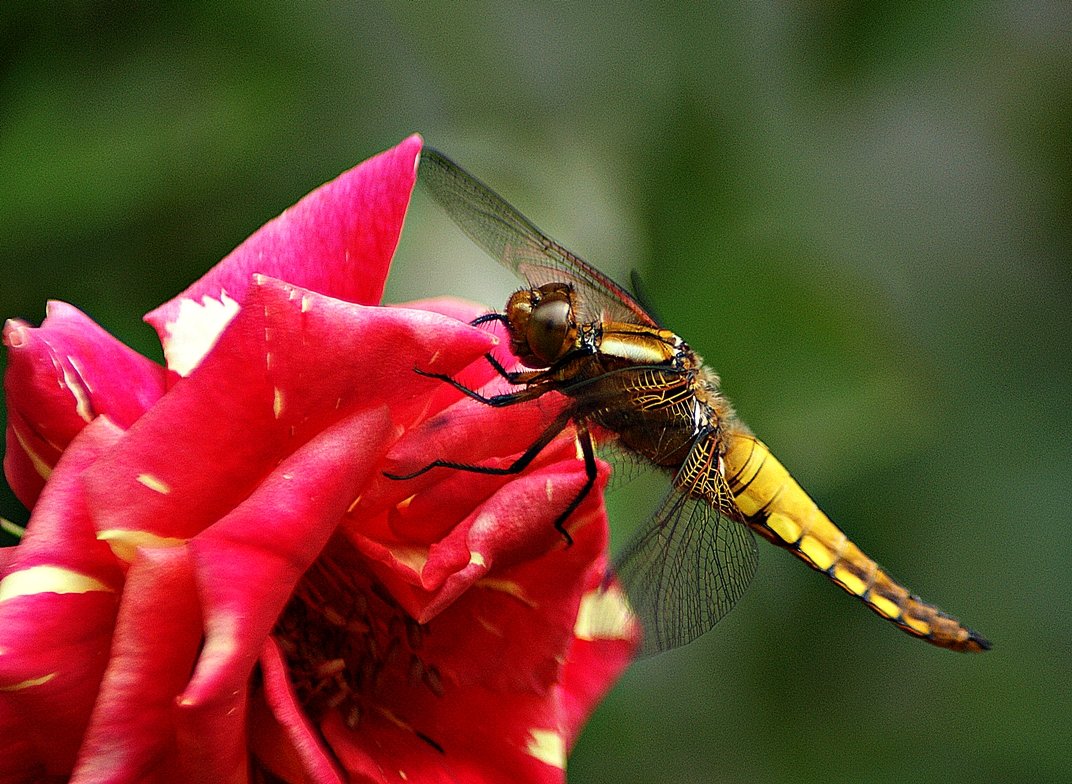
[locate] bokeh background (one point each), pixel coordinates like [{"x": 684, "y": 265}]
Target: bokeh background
[{"x": 858, "y": 212}]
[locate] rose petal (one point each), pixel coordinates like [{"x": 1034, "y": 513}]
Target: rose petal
[
  {"x": 60, "y": 535},
  {"x": 249, "y": 562},
  {"x": 29, "y": 459},
  {"x": 246, "y": 565},
  {"x": 606, "y": 639},
  {"x": 283, "y": 739},
  {"x": 515, "y": 524},
  {"x": 58, "y": 602},
  {"x": 135, "y": 732},
  {"x": 493, "y": 567},
  {"x": 454, "y": 307},
  {"x": 473, "y": 735},
  {"x": 338, "y": 241},
  {"x": 20, "y": 761},
  {"x": 407, "y": 727},
  {"x": 61, "y": 376},
  {"x": 471, "y": 432},
  {"x": 477, "y": 374},
  {"x": 292, "y": 363},
  {"x": 508, "y": 517},
  {"x": 525, "y": 617}
]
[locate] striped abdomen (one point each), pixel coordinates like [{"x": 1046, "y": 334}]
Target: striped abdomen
[{"x": 776, "y": 507}]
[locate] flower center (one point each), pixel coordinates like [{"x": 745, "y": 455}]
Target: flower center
[{"x": 345, "y": 638}]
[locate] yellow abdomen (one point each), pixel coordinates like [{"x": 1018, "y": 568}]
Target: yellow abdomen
[{"x": 777, "y": 508}]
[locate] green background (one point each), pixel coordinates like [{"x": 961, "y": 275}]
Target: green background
[{"x": 860, "y": 217}]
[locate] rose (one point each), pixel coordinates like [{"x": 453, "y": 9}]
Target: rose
[{"x": 218, "y": 582}]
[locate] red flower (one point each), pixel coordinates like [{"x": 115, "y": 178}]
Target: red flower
[{"x": 218, "y": 583}]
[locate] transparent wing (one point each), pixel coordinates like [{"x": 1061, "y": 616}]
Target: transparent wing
[
  {"x": 511, "y": 239},
  {"x": 686, "y": 568}
]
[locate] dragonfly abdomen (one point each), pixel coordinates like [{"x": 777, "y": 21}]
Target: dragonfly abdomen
[{"x": 777, "y": 508}]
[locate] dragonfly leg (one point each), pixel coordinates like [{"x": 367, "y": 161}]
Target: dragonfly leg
[
  {"x": 493, "y": 316},
  {"x": 514, "y": 377},
  {"x": 588, "y": 452},
  {"x": 523, "y": 461},
  {"x": 497, "y": 401},
  {"x": 520, "y": 464}
]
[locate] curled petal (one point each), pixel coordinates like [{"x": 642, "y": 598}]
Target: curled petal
[
  {"x": 28, "y": 459},
  {"x": 60, "y": 377},
  {"x": 524, "y": 617},
  {"x": 471, "y": 432},
  {"x": 338, "y": 241},
  {"x": 281, "y": 735}
]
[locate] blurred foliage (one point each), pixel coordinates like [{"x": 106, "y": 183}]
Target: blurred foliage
[{"x": 858, "y": 212}]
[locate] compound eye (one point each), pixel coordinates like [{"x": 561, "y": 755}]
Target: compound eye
[{"x": 549, "y": 330}]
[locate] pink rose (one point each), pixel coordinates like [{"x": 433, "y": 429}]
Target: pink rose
[{"x": 218, "y": 583}]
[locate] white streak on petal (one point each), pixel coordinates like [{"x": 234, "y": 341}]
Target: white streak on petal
[
  {"x": 413, "y": 557},
  {"x": 125, "y": 543},
  {"x": 27, "y": 684},
  {"x": 547, "y": 746},
  {"x": 603, "y": 615},
  {"x": 195, "y": 330},
  {"x": 509, "y": 587},
  {"x": 76, "y": 383},
  {"x": 154, "y": 483},
  {"x": 43, "y": 469},
  {"x": 48, "y": 579}
]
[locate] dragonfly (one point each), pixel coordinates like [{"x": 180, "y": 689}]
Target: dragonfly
[{"x": 639, "y": 389}]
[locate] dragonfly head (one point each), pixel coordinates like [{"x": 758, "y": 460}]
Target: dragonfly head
[{"x": 542, "y": 324}]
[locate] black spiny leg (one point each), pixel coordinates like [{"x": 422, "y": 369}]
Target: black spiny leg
[
  {"x": 496, "y": 401},
  {"x": 516, "y": 467},
  {"x": 534, "y": 390},
  {"x": 523, "y": 461},
  {"x": 512, "y": 377},
  {"x": 585, "y": 439},
  {"x": 493, "y": 316}
]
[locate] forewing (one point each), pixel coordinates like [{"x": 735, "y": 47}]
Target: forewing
[
  {"x": 685, "y": 570},
  {"x": 512, "y": 239}
]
